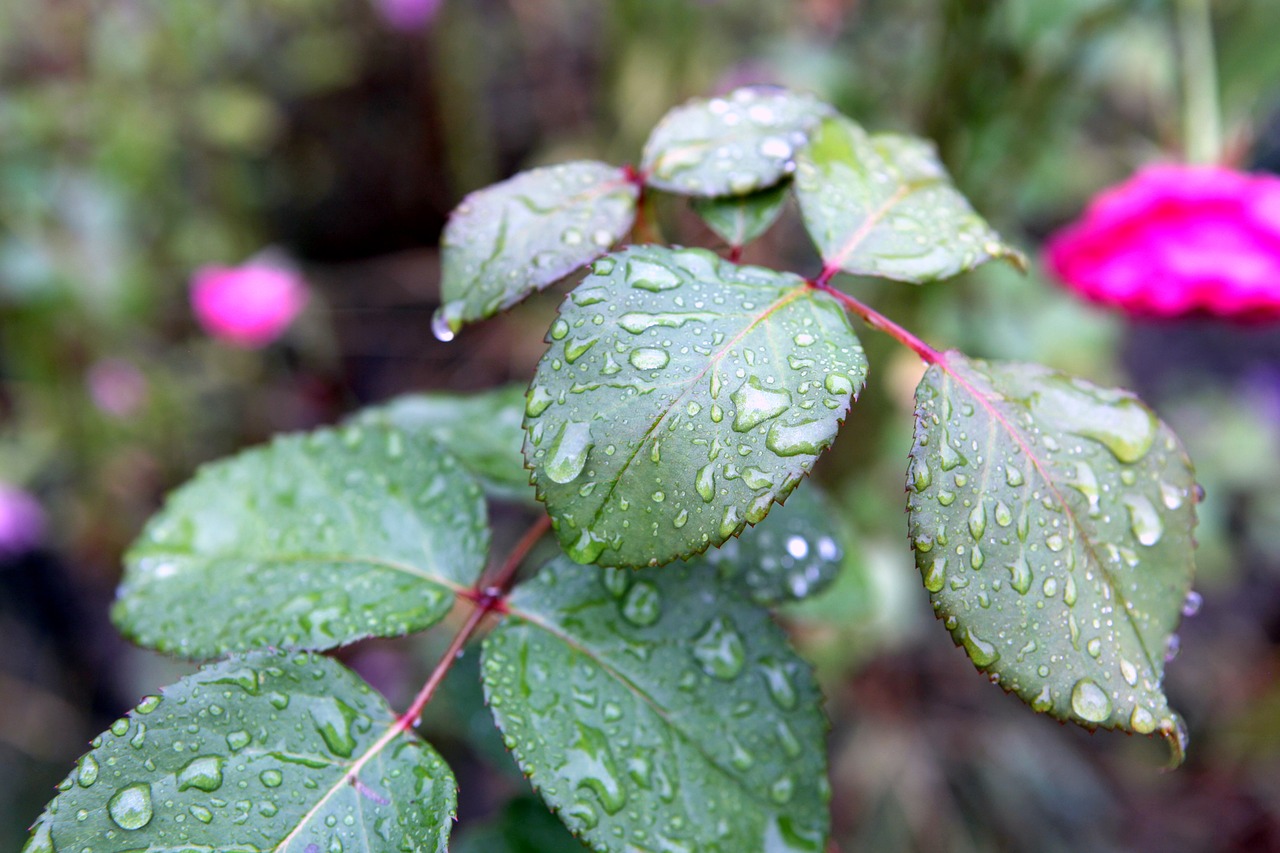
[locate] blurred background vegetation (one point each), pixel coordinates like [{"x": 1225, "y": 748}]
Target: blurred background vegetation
[{"x": 140, "y": 139}]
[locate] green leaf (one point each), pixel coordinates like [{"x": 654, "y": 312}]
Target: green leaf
[
  {"x": 884, "y": 206},
  {"x": 1052, "y": 521},
  {"x": 310, "y": 542},
  {"x": 680, "y": 397},
  {"x": 659, "y": 711},
  {"x": 482, "y": 431},
  {"x": 740, "y": 219},
  {"x": 793, "y": 554},
  {"x": 733, "y": 145},
  {"x": 506, "y": 241},
  {"x": 525, "y": 826},
  {"x": 276, "y": 751}
]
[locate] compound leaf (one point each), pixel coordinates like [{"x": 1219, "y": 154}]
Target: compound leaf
[
  {"x": 734, "y": 145},
  {"x": 288, "y": 752},
  {"x": 482, "y": 431},
  {"x": 506, "y": 241},
  {"x": 680, "y": 397},
  {"x": 740, "y": 219},
  {"x": 793, "y": 554},
  {"x": 1051, "y": 521},
  {"x": 884, "y": 206},
  {"x": 659, "y": 710},
  {"x": 311, "y": 542}
]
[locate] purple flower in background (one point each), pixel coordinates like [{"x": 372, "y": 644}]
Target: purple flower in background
[
  {"x": 21, "y": 521},
  {"x": 407, "y": 15},
  {"x": 247, "y": 306},
  {"x": 116, "y": 387}
]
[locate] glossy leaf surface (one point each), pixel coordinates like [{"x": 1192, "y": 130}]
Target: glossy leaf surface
[
  {"x": 658, "y": 710},
  {"x": 482, "y": 431},
  {"x": 884, "y": 206},
  {"x": 734, "y": 145},
  {"x": 506, "y": 241},
  {"x": 740, "y": 219},
  {"x": 680, "y": 397},
  {"x": 793, "y": 554},
  {"x": 262, "y": 752},
  {"x": 1051, "y": 521},
  {"x": 312, "y": 541}
]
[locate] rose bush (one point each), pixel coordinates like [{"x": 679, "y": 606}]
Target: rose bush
[{"x": 1177, "y": 239}]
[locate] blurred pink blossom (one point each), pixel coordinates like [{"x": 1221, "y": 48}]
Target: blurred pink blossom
[
  {"x": 406, "y": 15},
  {"x": 1176, "y": 240},
  {"x": 116, "y": 386},
  {"x": 21, "y": 521},
  {"x": 247, "y": 306}
]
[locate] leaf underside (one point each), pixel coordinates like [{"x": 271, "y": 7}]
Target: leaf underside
[
  {"x": 734, "y": 145},
  {"x": 740, "y": 219},
  {"x": 659, "y": 710},
  {"x": 482, "y": 431},
  {"x": 682, "y": 395},
  {"x": 1051, "y": 521},
  {"x": 313, "y": 541},
  {"x": 506, "y": 241},
  {"x": 252, "y": 754},
  {"x": 884, "y": 206}
]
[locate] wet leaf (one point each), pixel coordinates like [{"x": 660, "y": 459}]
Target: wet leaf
[
  {"x": 793, "y": 554},
  {"x": 734, "y": 145},
  {"x": 311, "y": 542},
  {"x": 286, "y": 752},
  {"x": 482, "y": 431},
  {"x": 1051, "y": 521},
  {"x": 884, "y": 206},
  {"x": 740, "y": 219},
  {"x": 680, "y": 397},
  {"x": 506, "y": 241},
  {"x": 659, "y": 710}
]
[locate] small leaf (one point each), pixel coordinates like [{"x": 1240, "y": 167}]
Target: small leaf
[
  {"x": 482, "y": 431},
  {"x": 310, "y": 542},
  {"x": 680, "y": 397},
  {"x": 793, "y": 554},
  {"x": 659, "y": 711},
  {"x": 740, "y": 219},
  {"x": 506, "y": 241},
  {"x": 884, "y": 206},
  {"x": 1052, "y": 521},
  {"x": 733, "y": 145},
  {"x": 266, "y": 751}
]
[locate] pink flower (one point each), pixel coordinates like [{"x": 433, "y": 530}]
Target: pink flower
[
  {"x": 247, "y": 306},
  {"x": 405, "y": 15},
  {"x": 1177, "y": 240},
  {"x": 21, "y": 521},
  {"x": 116, "y": 387}
]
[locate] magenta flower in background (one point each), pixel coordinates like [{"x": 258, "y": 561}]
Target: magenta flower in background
[
  {"x": 1177, "y": 240},
  {"x": 21, "y": 521},
  {"x": 247, "y": 306},
  {"x": 406, "y": 15}
]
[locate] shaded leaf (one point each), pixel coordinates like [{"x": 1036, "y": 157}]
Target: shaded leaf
[
  {"x": 273, "y": 751},
  {"x": 1052, "y": 521},
  {"x": 680, "y": 397},
  {"x": 884, "y": 206},
  {"x": 793, "y": 554},
  {"x": 660, "y": 711},
  {"x": 734, "y": 145},
  {"x": 482, "y": 431},
  {"x": 525, "y": 826},
  {"x": 312, "y": 541},
  {"x": 740, "y": 219},
  {"x": 506, "y": 241}
]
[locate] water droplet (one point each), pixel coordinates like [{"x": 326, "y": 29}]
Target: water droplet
[
  {"x": 201, "y": 814},
  {"x": 587, "y": 548},
  {"x": 567, "y": 455},
  {"x": 839, "y": 384},
  {"x": 1142, "y": 721},
  {"x": 538, "y": 400},
  {"x": 642, "y": 605},
  {"x": 1004, "y": 517},
  {"x": 238, "y": 740},
  {"x": 648, "y": 358},
  {"x": 806, "y": 437},
  {"x": 1128, "y": 672},
  {"x": 442, "y": 326},
  {"x": 781, "y": 791},
  {"x": 645, "y": 275},
  {"x": 936, "y": 575},
  {"x": 148, "y": 704},
  {"x": 981, "y": 652},
  {"x": 797, "y": 547},
  {"x": 333, "y": 720},
  {"x": 1020, "y": 575},
  {"x": 1172, "y": 496},
  {"x": 130, "y": 807},
  {"x": 921, "y": 476},
  {"x": 1094, "y": 647},
  {"x": 203, "y": 773},
  {"x": 1090, "y": 702},
  {"x": 719, "y": 650},
  {"x": 978, "y": 520},
  {"x": 603, "y": 266},
  {"x": 1044, "y": 699},
  {"x": 757, "y": 404},
  {"x": 575, "y": 348},
  {"x": 778, "y": 682},
  {"x": 1192, "y": 603},
  {"x": 559, "y": 329},
  {"x": 87, "y": 771},
  {"x": 591, "y": 762},
  {"x": 1172, "y": 646},
  {"x": 271, "y": 778},
  {"x": 571, "y": 237},
  {"x": 1144, "y": 521},
  {"x": 1013, "y": 476}
]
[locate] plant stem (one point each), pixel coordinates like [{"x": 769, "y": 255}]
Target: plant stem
[
  {"x": 1201, "y": 115},
  {"x": 487, "y": 598},
  {"x": 876, "y": 320}
]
